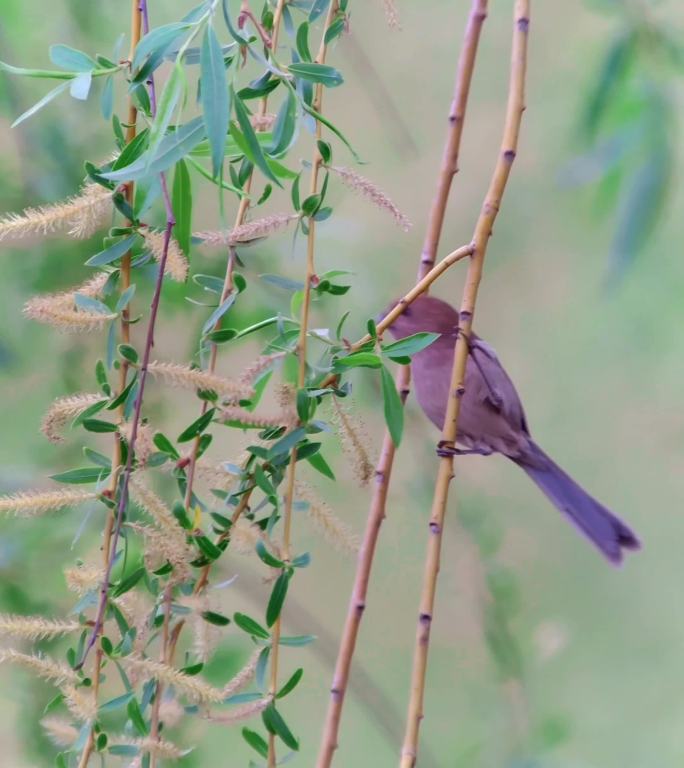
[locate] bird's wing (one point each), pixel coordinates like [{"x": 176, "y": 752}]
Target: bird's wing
[{"x": 492, "y": 386}]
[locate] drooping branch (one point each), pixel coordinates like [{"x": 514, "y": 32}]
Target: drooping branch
[
  {"x": 483, "y": 231},
  {"x": 376, "y": 514}
]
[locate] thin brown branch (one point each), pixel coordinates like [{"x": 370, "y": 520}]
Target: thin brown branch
[
  {"x": 316, "y": 164},
  {"x": 376, "y": 514},
  {"x": 483, "y": 231},
  {"x": 136, "y": 30}
]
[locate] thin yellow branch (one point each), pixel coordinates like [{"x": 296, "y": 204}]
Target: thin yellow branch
[
  {"x": 483, "y": 231},
  {"x": 383, "y": 471}
]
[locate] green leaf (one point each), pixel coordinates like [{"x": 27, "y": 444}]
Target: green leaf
[
  {"x": 128, "y": 583},
  {"x": 164, "y": 445},
  {"x": 172, "y": 148},
  {"x": 46, "y": 74},
  {"x": 89, "y": 304},
  {"x": 248, "y": 141},
  {"x": 97, "y": 425},
  {"x": 218, "y": 313},
  {"x": 132, "y": 150},
  {"x": 255, "y": 741},
  {"x": 285, "y": 126},
  {"x": 197, "y": 427},
  {"x": 324, "y": 120},
  {"x": 208, "y": 548},
  {"x": 334, "y": 30},
  {"x": 124, "y": 300},
  {"x": 80, "y": 86},
  {"x": 318, "y": 9},
  {"x": 394, "y": 410},
  {"x": 297, "y": 641},
  {"x": 181, "y": 202},
  {"x": 250, "y": 626},
  {"x": 113, "y": 252},
  {"x": 128, "y": 353},
  {"x": 217, "y": 619},
  {"x": 285, "y": 444},
  {"x": 71, "y": 59},
  {"x": 410, "y": 345},
  {"x": 303, "y": 41},
  {"x": 291, "y": 684},
  {"x": 358, "y": 360},
  {"x": 321, "y": 465},
  {"x": 316, "y": 73},
  {"x": 168, "y": 101},
  {"x": 40, "y": 104},
  {"x": 215, "y": 100},
  {"x": 277, "y": 598},
  {"x": 275, "y": 724},
  {"x": 136, "y": 717},
  {"x": 81, "y": 476},
  {"x": 156, "y": 43},
  {"x": 267, "y": 557},
  {"x": 116, "y": 703}
]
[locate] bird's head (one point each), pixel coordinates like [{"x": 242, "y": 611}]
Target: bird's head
[{"x": 426, "y": 313}]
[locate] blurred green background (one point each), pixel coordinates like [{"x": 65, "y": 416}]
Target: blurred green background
[{"x": 542, "y": 655}]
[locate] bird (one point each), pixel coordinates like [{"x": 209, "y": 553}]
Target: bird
[{"x": 492, "y": 419}]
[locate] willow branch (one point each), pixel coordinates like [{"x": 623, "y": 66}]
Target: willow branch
[
  {"x": 483, "y": 231},
  {"x": 317, "y": 161},
  {"x": 376, "y": 513},
  {"x": 136, "y": 23}
]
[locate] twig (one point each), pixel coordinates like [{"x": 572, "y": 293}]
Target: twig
[
  {"x": 141, "y": 9},
  {"x": 376, "y": 514},
  {"x": 301, "y": 351},
  {"x": 483, "y": 231},
  {"x": 136, "y": 23}
]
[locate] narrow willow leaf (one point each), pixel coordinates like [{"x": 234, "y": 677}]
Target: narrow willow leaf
[
  {"x": 251, "y": 147},
  {"x": 303, "y": 41},
  {"x": 318, "y": 116},
  {"x": 114, "y": 252},
  {"x": 285, "y": 126},
  {"x": 182, "y": 206},
  {"x": 218, "y": 313},
  {"x": 157, "y": 42},
  {"x": 255, "y": 741},
  {"x": 318, "y": 9},
  {"x": 317, "y": 73},
  {"x": 394, "y": 411},
  {"x": 274, "y": 722},
  {"x": 215, "y": 96},
  {"x": 81, "y": 476},
  {"x": 249, "y": 625},
  {"x": 291, "y": 684},
  {"x": 172, "y": 148},
  {"x": 410, "y": 345},
  {"x": 71, "y": 59},
  {"x": 168, "y": 101},
  {"x": 107, "y": 98},
  {"x": 40, "y": 104},
  {"x": 40, "y": 74},
  {"x": 277, "y": 598},
  {"x": 321, "y": 465}
]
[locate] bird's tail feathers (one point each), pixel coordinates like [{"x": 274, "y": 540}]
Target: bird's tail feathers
[{"x": 607, "y": 532}]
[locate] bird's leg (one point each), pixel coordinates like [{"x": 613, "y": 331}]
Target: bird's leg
[
  {"x": 444, "y": 450},
  {"x": 494, "y": 397}
]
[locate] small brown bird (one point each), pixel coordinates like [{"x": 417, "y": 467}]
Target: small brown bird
[{"x": 492, "y": 420}]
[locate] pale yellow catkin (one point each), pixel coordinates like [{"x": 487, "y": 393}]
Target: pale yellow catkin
[
  {"x": 244, "y": 233},
  {"x": 194, "y": 379},
  {"x": 35, "y": 627},
  {"x": 325, "y": 521},
  {"x": 63, "y": 410},
  {"x": 32, "y": 503},
  {"x": 60, "y": 731},
  {"x": 81, "y": 216},
  {"x": 176, "y": 264},
  {"x": 42, "y": 666},
  {"x": 368, "y": 189}
]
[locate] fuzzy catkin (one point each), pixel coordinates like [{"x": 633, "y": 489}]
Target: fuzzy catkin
[
  {"x": 32, "y": 503},
  {"x": 81, "y": 216}
]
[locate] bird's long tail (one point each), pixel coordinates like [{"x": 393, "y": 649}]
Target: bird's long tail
[{"x": 597, "y": 523}]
